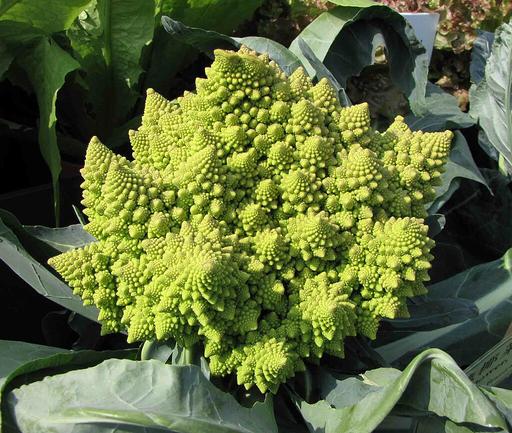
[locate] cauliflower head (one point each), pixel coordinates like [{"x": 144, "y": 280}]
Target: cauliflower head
[{"x": 259, "y": 218}]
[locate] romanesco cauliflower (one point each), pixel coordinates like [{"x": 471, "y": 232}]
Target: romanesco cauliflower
[{"x": 258, "y": 217}]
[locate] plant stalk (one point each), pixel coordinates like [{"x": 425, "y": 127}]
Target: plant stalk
[{"x": 189, "y": 354}]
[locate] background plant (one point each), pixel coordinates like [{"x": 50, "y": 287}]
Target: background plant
[
  {"x": 491, "y": 94},
  {"x": 293, "y": 15},
  {"x": 459, "y": 20},
  {"x": 459, "y": 25},
  {"x": 88, "y": 63}
]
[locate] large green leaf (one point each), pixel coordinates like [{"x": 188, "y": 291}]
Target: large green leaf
[
  {"x": 128, "y": 396},
  {"x": 435, "y": 313},
  {"x": 479, "y": 55},
  {"x": 47, "y": 65},
  {"x": 486, "y": 216},
  {"x": 433, "y": 424},
  {"x": 345, "y": 40},
  {"x": 460, "y": 165},
  {"x": 158, "y": 350},
  {"x": 491, "y": 99},
  {"x": 199, "y": 38},
  {"x": 62, "y": 238},
  {"x": 26, "y": 257},
  {"x": 431, "y": 384},
  {"x": 15, "y": 354},
  {"x": 19, "y": 360},
  {"x": 435, "y": 223},
  {"x": 490, "y": 286},
  {"x": 50, "y": 16},
  {"x": 168, "y": 56},
  {"x": 286, "y": 60},
  {"x": 395, "y": 424},
  {"x": 442, "y": 112},
  {"x": 109, "y": 37},
  {"x": 16, "y": 358},
  {"x": 14, "y": 38},
  {"x": 208, "y": 40},
  {"x": 502, "y": 398}
]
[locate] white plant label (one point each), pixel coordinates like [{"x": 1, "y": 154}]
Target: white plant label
[{"x": 495, "y": 365}]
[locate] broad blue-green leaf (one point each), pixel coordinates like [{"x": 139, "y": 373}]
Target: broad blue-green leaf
[
  {"x": 47, "y": 65},
  {"x": 490, "y": 287},
  {"x": 82, "y": 219},
  {"x": 199, "y": 38},
  {"x": 435, "y": 223},
  {"x": 161, "y": 351},
  {"x": 440, "y": 201},
  {"x": 61, "y": 238},
  {"x": 431, "y": 383},
  {"x": 134, "y": 396},
  {"x": 487, "y": 146},
  {"x": 491, "y": 99},
  {"x": 50, "y": 15},
  {"x": 441, "y": 112},
  {"x": 485, "y": 216},
  {"x": 109, "y": 37},
  {"x": 172, "y": 353},
  {"x": 479, "y": 54},
  {"x": 39, "y": 249},
  {"x": 345, "y": 40},
  {"x": 460, "y": 165},
  {"x": 168, "y": 56},
  {"x": 208, "y": 40},
  {"x": 17, "y": 255},
  {"x": 435, "y": 424},
  {"x": 286, "y": 60},
  {"x": 435, "y": 313},
  {"x": 502, "y": 398},
  {"x": 15, "y": 354},
  {"x": 395, "y": 424},
  {"x": 19, "y": 359}
]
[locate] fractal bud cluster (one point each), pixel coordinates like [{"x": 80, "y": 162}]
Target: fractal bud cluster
[{"x": 258, "y": 218}]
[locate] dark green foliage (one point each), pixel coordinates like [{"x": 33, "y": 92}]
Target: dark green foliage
[{"x": 89, "y": 61}]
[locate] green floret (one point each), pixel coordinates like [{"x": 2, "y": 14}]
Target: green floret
[{"x": 258, "y": 218}]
